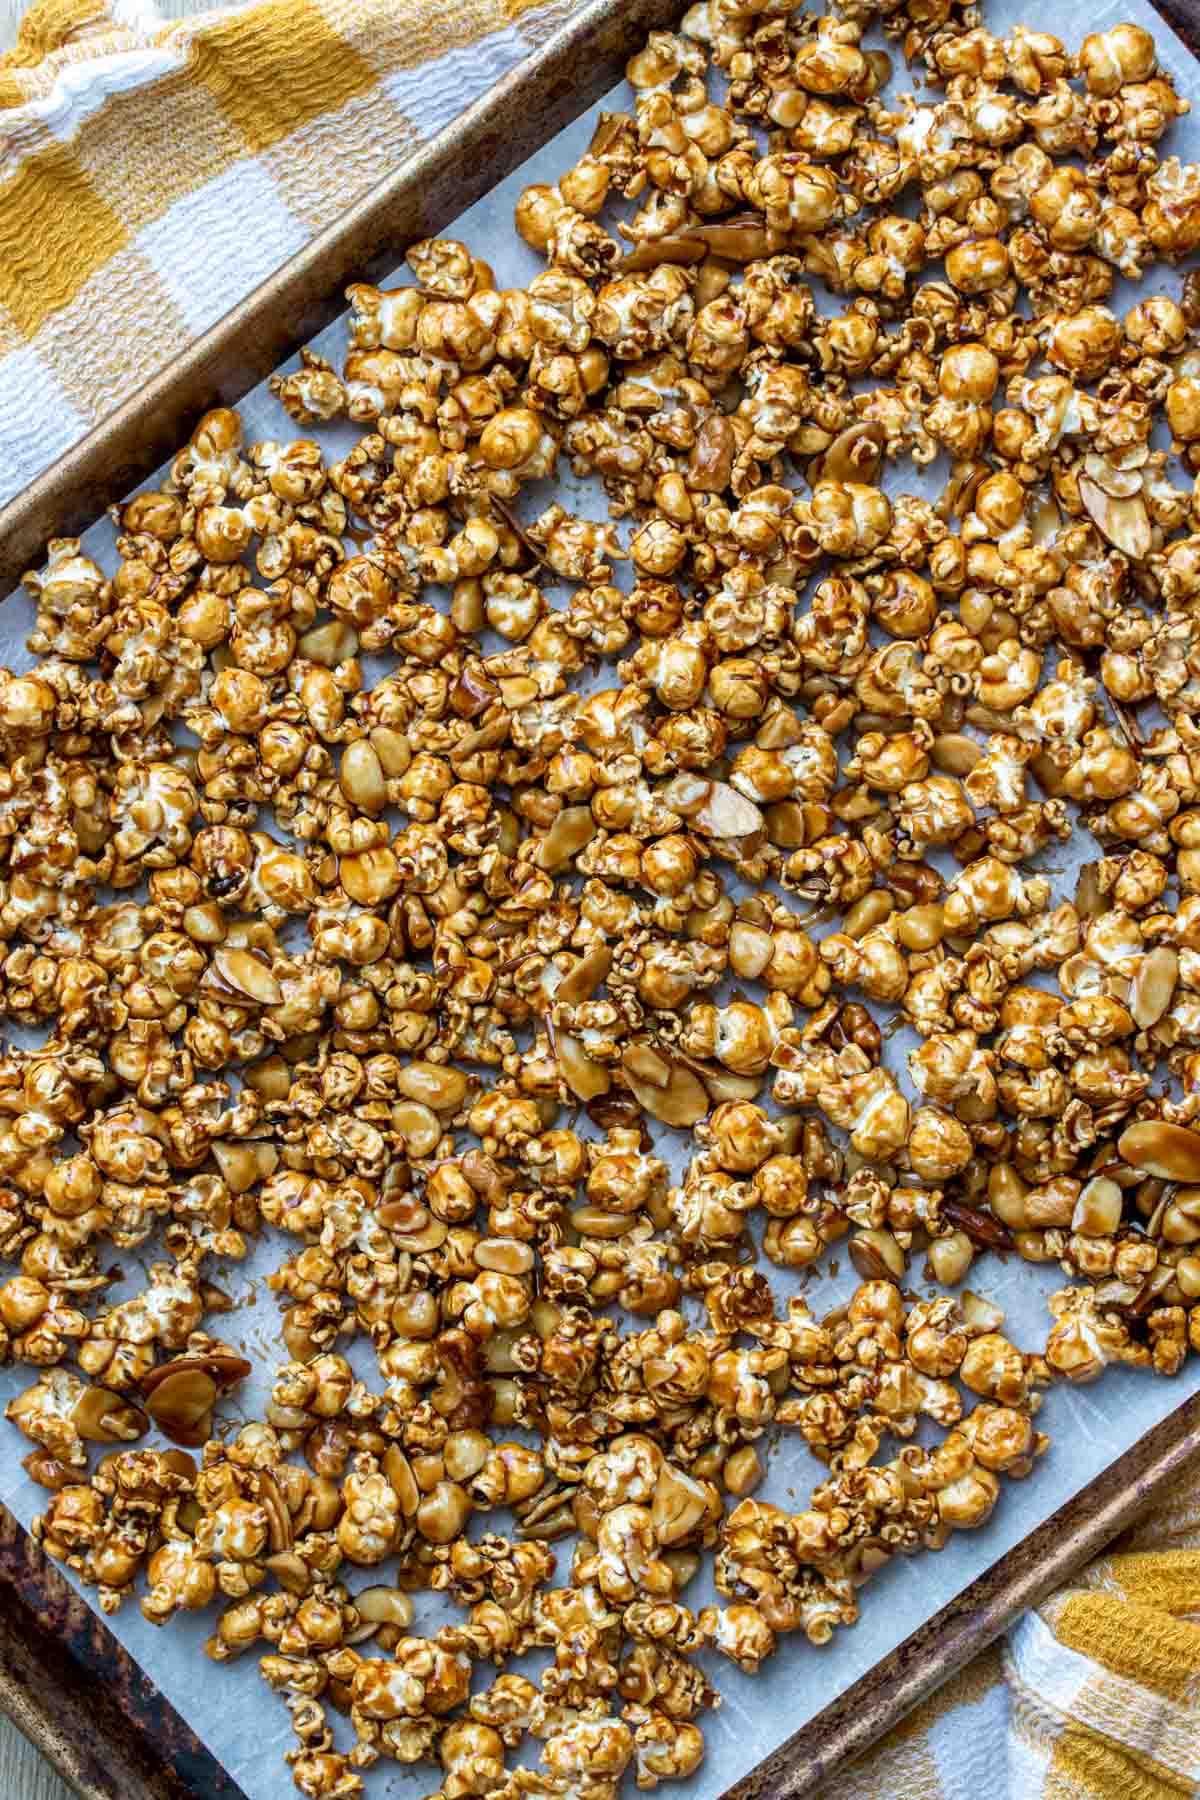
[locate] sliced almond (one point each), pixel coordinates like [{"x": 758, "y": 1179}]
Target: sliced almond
[
  {"x": 241, "y": 1165},
  {"x": 1171, "y": 1152},
  {"x": 290, "y": 1571},
  {"x": 371, "y": 876},
  {"x": 608, "y": 131},
  {"x": 617, "y": 1107},
  {"x": 723, "y": 1084},
  {"x": 1119, "y": 484},
  {"x": 1089, "y": 901},
  {"x": 877, "y": 1256},
  {"x": 361, "y": 777},
  {"x": 329, "y": 644},
  {"x": 681, "y": 1102},
  {"x": 393, "y": 750},
  {"x": 680, "y": 1503},
  {"x": 737, "y": 240},
  {"x": 854, "y": 455},
  {"x": 1153, "y": 986},
  {"x": 594, "y": 1221},
  {"x": 750, "y": 949},
  {"x": 728, "y": 814},
  {"x": 1098, "y": 1209},
  {"x": 517, "y": 691},
  {"x": 102, "y": 1417},
  {"x": 685, "y": 794},
  {"x": 473, "y": 693},
  {"x": 488, "y": 736},
  {"x": 580, "y": 983},
  {"x": 430, "y": 1237},
  {"x": 224, "y": 1368},
  {"x": 181, "y": 1405},
  {"x": 682, "y": 247},
  {"x": 247, "y": 974},
  {"x": 573, "y": 829},
  {"x": 586, "y": 1079},
  {"x": 398, "y": 1470},
  {"x": 644, "y": 1062},
  {"x": 412, "y": 1224},
  {"x": 954, "y": 753},
  {"x": 384, "y": 1605},
  {"x": 979, "y": 1314},
  {"x": 1125, "y": 523},
  {"x": 403, "y": 1213},
  {"x": 279, "y": 1519},
  {"x": 507, "y": 1256},
  {"x": 712, "y": 806},
  {"x": 433, "y": 1084},
  {"x": 417, "y": 1126},
  {"x": 555, "y": 1522}
]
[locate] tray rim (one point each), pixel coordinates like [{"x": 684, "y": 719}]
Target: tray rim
[
  {"x": 574, "y": 65},
  {"x": 88, "y": 1707},
  {"x": 73, "y": 1690}
]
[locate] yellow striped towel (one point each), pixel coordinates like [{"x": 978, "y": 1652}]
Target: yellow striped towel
[
  {"x": 151, "y": 174},
  {"x": 1094, "y": 1696}
]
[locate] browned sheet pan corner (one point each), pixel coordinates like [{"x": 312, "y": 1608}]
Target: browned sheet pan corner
[
  {"x": 432, "y": 186},
  {"x": 79, "y": 1697},
  {"x": 1183, "y": 16}
]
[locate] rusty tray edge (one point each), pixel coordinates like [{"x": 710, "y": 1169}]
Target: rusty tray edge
[
  {"x": 65, "y": 1680},
  {"x": 79, "y": 1697}
]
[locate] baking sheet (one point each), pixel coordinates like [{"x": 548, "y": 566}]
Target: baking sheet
[{"x": 228, "y": 1706}]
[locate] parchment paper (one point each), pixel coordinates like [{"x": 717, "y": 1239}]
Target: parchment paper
[{"x": 228, "y": 1706}]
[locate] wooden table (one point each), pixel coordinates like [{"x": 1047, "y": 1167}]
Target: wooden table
[{"x": 23, "y": 1773}]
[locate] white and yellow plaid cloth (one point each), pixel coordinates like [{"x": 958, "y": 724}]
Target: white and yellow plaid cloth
[
  {"x": 1094, "y": 1696},
  {"x": 150, "y": 175}
]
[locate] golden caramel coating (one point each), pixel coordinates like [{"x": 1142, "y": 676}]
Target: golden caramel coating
[{"x": 398, "y": 852}]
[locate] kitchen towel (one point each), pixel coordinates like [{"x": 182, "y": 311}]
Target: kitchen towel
[{"x": 153, "y": 173}]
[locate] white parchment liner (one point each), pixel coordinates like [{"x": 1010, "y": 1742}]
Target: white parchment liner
[{"x": 229, "y": 1706}]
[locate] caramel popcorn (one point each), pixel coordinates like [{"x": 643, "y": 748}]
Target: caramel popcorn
[{"x": 397, "y": 855}]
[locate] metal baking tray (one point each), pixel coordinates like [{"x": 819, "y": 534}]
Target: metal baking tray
[{"x": 64, "y": 1679}]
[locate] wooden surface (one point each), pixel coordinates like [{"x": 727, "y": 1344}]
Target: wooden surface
[{"x": 23, "y": 1774}]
